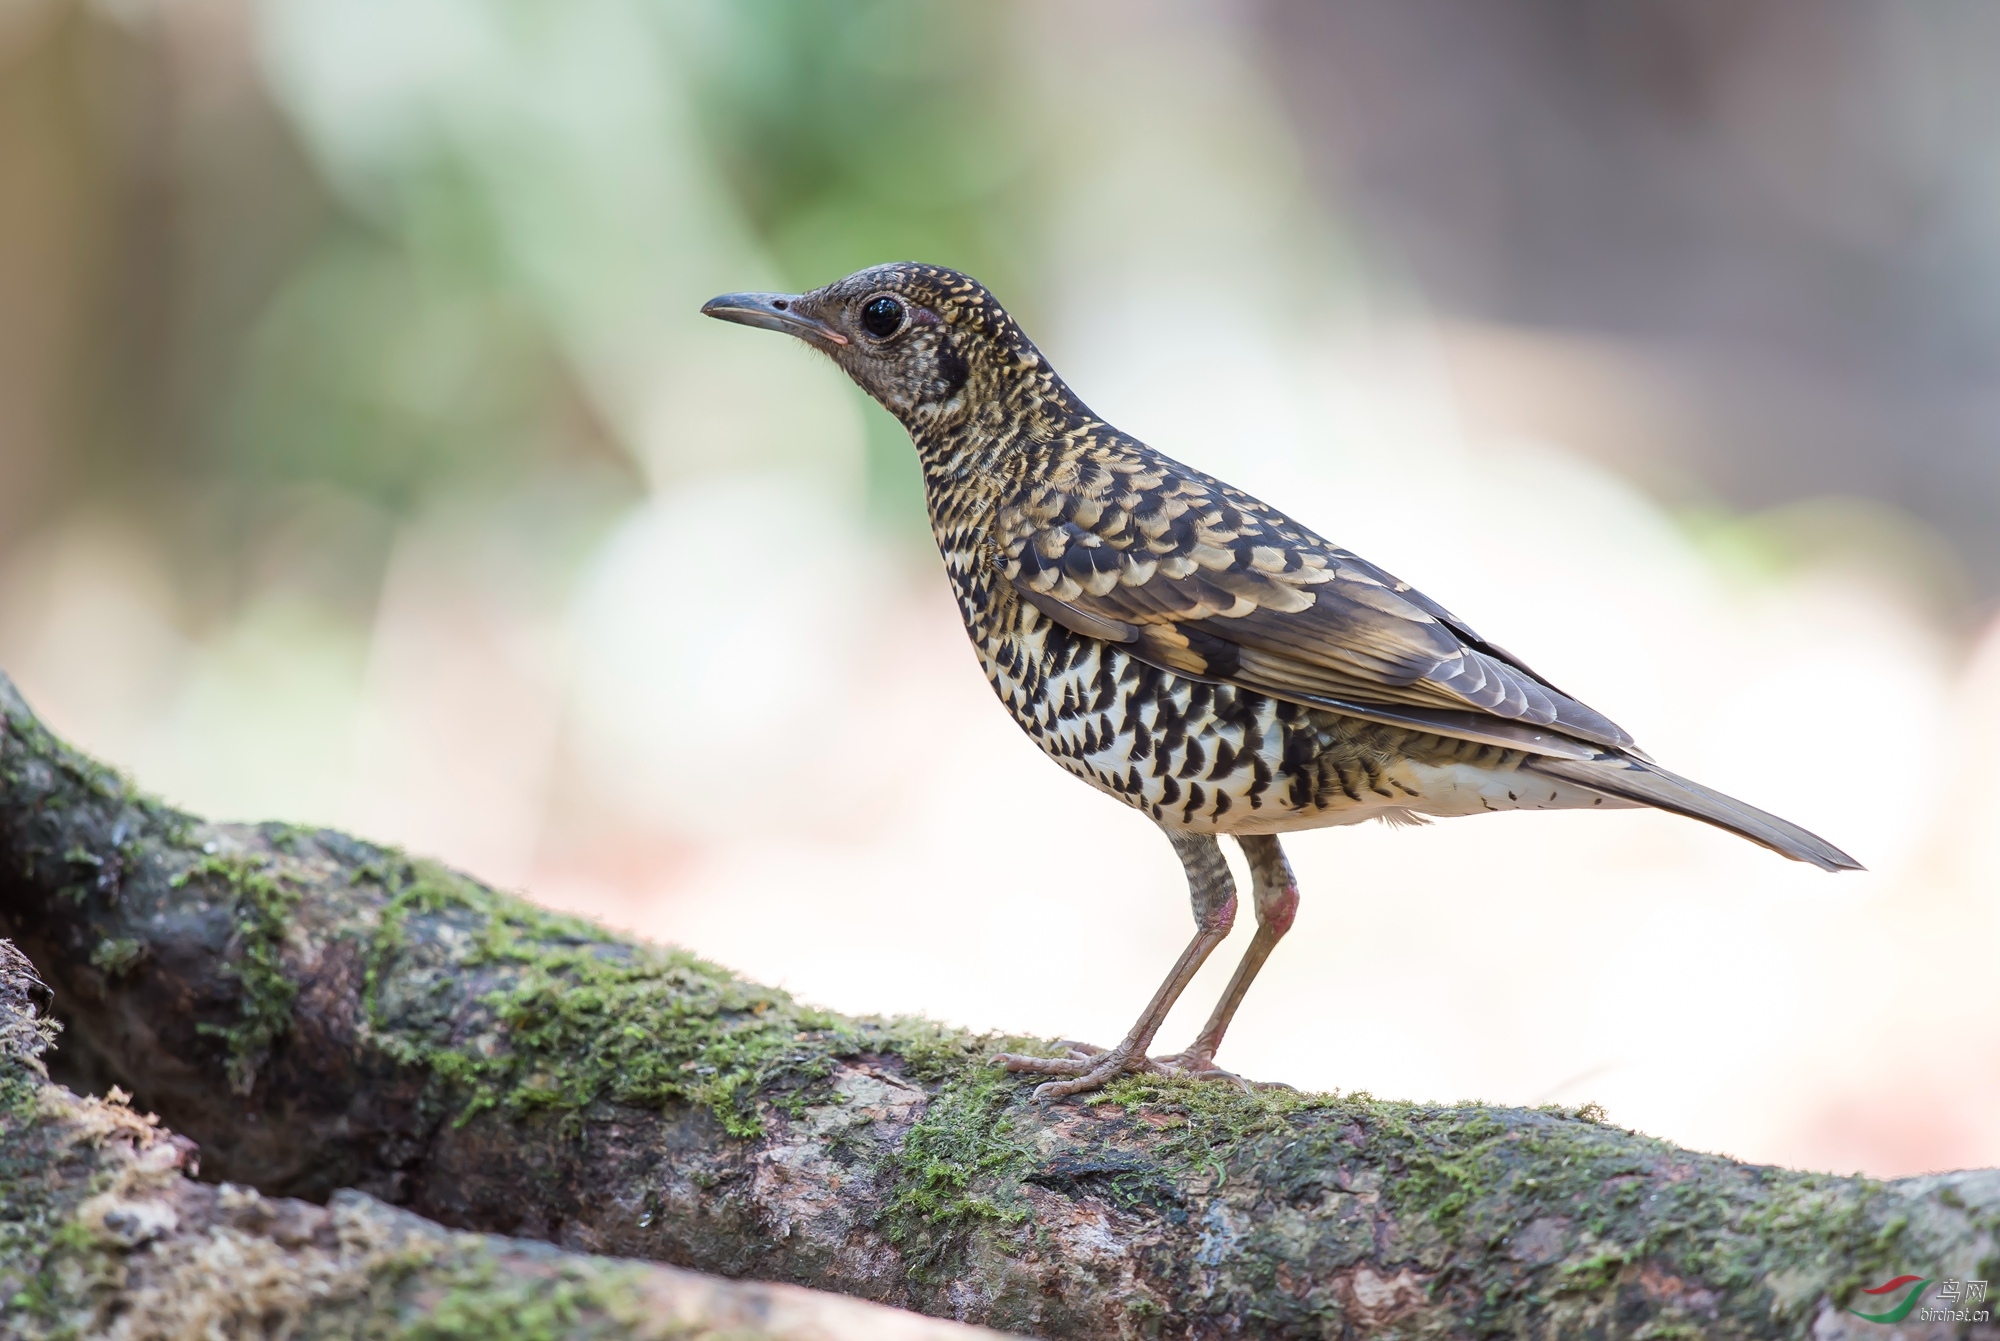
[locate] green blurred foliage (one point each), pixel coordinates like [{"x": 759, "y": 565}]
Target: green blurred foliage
[
  {"x": 379, "y": 371},
  {"x": 853, "y": 133},
  {"x": 857, "y": 133},
  {"x": 253, "y": 335}
]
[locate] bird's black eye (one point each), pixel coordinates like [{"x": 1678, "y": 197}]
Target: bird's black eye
[{"x": 883, "y": 317}]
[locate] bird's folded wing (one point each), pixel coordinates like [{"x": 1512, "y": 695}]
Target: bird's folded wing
[{"x": 1226, "y": 593}]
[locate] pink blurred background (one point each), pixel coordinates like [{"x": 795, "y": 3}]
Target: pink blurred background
[{"x": 363, "y": 462}]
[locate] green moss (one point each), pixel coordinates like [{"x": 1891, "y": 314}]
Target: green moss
[
  {"x": 1448, "y": 1159},
  {"x": 263, "y": 903},
  {"x": 1479, "y": 1175},
  {"x": 589, "y": 1019},
  {"x": 1838, "y": 1230},
  {"x": 54, "y": 776},
  {"x": 90, "y": 865},
  {"x": 71, "y": 1263},
  {"x": 1220, "y": 1120},
  {"x": 117, "y": 956},
  {"x": 18, "y": 1089},
  {"x": 1591, "y": 1274},
  {"x": 38, "y": 742},
  {"x": 427, "y": 1289},
  {"x": 1669, "y": 1329},
  {"x": 285, "y": 837},
  {"x": 39, "y": 1190},
  {"x": 49, "y": 1261},
  {"x": 961, "y": 1163},
  {"x": 484, "y": 1302},
  {"x": 586, "y": 1019},
  {"x": 931, "y": 1051},
  {"x": 1438, "y": 1162},
  {"x": 1738, "y": 1229}
]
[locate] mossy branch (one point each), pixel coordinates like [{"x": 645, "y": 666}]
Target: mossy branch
[
  {"x": 321, "y": 1013},
  {"x": 105, "y": 1234}
]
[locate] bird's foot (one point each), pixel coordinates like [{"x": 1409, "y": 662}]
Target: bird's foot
[
  {"x": 1196, "y": 1065},
  {"x": 1193, "y": 1065},
  {"x": 1088, "y": 1067},
  {"x": 1082, "y": 1056}
]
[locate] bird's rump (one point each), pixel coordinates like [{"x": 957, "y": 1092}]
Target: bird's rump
[{"x": 1200, "y": 579}]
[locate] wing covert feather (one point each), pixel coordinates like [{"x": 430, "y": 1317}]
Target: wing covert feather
[{"x": 1210, "y": 582}]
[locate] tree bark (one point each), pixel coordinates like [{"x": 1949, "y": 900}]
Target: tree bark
[
  {"x": 105, "y": 1234},
  {"x": 321, "y": 1013}
]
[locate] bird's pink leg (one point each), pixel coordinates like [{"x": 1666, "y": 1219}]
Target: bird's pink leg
[
  {"x": 1213, "y": 892},
  {"x": 1275, "y": 891}
]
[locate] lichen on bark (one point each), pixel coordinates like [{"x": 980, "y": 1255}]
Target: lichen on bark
[{"x": 495, "y": 1066}]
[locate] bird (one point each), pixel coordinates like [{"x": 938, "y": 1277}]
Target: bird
[{"x": 1193, "y": 651}]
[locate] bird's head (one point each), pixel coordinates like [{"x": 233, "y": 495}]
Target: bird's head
[{"x": 921, "y": 339}]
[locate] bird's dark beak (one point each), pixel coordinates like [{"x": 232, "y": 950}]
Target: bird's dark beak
[{"x": 773, "y": 312}]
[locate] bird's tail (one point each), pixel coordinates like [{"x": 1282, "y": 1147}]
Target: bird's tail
[{"x": 1631, "y": 779}]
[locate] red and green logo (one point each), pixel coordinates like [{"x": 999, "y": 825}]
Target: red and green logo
[{"x": 1902, "y": 1310}]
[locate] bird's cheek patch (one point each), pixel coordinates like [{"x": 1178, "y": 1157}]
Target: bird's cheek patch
[{"x": 952, "y": 370}]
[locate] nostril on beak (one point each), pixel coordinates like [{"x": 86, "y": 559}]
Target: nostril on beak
[{"x": 771, "y": 312}]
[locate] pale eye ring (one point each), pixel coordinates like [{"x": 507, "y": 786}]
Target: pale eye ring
[{"x": 882, "y": 316}]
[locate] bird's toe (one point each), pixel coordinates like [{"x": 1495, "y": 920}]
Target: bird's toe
[
  {"x": 1201, "y": 1066},
  {"x": 1082, "y": 1057},
  {"x": 1094, "y": 1073},
  {"x": 1042, "y": 1066},
  {"x": 1194, "y": 1066},
  {"x": 1081, "y": 1050}
]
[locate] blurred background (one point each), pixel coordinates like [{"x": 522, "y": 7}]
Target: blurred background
[{"x": 363, "y": 461}]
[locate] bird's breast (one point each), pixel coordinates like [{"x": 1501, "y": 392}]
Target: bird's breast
[
  {"x": 1219, "y": 758},
  {"x": 1189, "y": 753}
]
